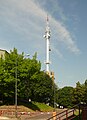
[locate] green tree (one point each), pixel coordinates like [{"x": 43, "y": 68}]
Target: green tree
[
  {"x": 2, "y": 76},
  {"x": 65, "y": 96},
  {"x": 78, "y": 94},
  {"x": 28, "y": 68},
  {"x": 85, "y": 91},
  {"x": 41, "y": 87},
  {"x": 11, "y": 63},
  {"x": 31, "y": 81}
]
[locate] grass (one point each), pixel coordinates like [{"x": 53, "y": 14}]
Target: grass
[
  {"x": 36, "y": 106},
  {"x": 28, "y": 107},
  {"x": 76, "y": 112},
  {"x": 43, "y": 107}
]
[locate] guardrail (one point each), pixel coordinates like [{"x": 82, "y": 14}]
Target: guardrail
[
  {"x": 69, "y": 113},
  {"x": 63, "y": 115}
]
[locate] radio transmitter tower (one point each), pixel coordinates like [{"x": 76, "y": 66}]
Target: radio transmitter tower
[{"x": 47, "y": 38}]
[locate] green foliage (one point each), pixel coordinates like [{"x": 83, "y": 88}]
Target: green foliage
[
  {"x": 78, "y": 93},
  {"x": 85, "y": 91},
  {"x": 69, "y": 96},
  {"x": 32, "y": 83},
  {"x": 41, "y": 87},
  {"x": 65, "y": 96},
  {"x": 43, "y": 107}
]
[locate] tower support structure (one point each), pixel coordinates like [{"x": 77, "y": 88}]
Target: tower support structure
[{"x": 47, "y": 38}]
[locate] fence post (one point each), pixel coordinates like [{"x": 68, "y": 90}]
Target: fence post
[
  {"x": 0, "y": 112},
  {"x": 66, "y": 114},
  {"x": 73, "y": 112},
  {"x": 54, "y": 115}
]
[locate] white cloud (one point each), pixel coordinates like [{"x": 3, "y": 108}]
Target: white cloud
[
  {"x": 57, "y": 52},
  {"x": 63, "y": 35},
  {"x": 27, "y": 19}
]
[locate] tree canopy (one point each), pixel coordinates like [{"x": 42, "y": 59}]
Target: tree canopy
[
  {"x": 69, "y": 96},
  {"x": 32, "y": 83},
  {"x": 65, "y": 96}
]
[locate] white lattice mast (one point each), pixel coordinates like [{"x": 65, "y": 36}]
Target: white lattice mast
[{"x": 47, "y": 37}]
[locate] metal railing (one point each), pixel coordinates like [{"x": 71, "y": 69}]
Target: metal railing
[
  {"x": 63, "y": 115},
  {"x": 69, "y": 114}
]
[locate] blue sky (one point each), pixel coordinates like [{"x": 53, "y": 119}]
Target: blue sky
[{"x": 22, "y": 25}]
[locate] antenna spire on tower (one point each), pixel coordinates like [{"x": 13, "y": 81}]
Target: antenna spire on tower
[{"x": 47, "y": 37}]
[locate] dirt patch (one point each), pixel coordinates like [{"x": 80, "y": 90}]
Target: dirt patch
[{"x": 19, "y": 108}]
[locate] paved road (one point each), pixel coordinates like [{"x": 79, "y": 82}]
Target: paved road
[
  {"x": 40, "y": 116},
  {"x": 36, "y": 116},
  {"x": 44, "y": 116}
]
